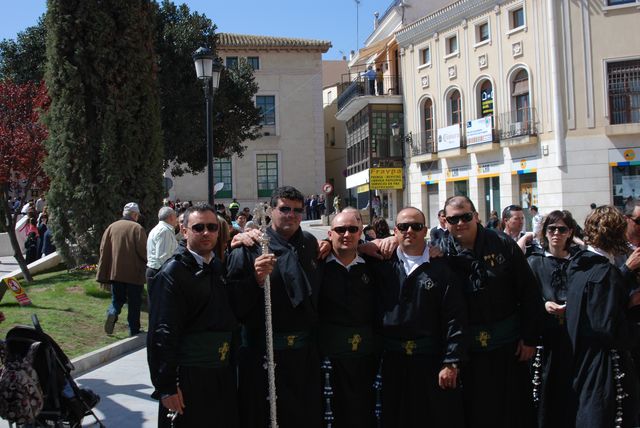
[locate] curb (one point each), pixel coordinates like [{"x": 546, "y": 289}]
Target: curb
[{"x": 93, "y": 359}]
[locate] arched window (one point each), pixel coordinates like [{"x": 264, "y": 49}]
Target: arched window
[
  {"x": 455, "y": 108},
  {"x": 486, "y": 99},
  {"x": 520, "y": 96},
  {"x": 428, "y": 119}
]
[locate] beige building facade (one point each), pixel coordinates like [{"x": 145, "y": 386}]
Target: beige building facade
[
  {"x": 528, "y": 102},
  {"x": 291, "y": 150}
]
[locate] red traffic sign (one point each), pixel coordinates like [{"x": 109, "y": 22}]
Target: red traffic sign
[{"x": 327, "y": 188}]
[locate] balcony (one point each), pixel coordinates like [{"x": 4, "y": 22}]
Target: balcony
[
  {"x": 421, "y": 147},
  {"x": 355, "y": 94},
  {"x": 518, "y": 127}
]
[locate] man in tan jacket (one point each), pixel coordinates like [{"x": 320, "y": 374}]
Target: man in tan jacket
[{"x": 123, "y": 259}]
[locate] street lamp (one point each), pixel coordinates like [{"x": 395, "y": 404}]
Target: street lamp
[{"x": 208, "y": 69}]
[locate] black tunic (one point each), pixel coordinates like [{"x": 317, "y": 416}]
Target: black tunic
[
  {"x": 191, "y": 301},
  {"x": 504, "y": 306},
  {"x": 346, "y": 306},
  {"x": 297, "y": 368},
  {"x": 427, "y": 305},
  {"x": 555, "y": 391},
  {"x": 597, "y": 297}
]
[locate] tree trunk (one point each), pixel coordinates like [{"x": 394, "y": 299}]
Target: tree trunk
[{"x": 10, "y": 222}]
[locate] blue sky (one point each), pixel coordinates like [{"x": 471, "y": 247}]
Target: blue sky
[{"x": 332, "y": 20}]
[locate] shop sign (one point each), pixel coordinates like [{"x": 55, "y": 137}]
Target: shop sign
[
  {"x": 449, "y": 138},
  {"x": 624, "y": 157},
  {"x": 479, "y": 131},
  {"x": 386, "y": 178}
]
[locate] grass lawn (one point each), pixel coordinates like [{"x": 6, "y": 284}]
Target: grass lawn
[{"x": 71, "y": 308}]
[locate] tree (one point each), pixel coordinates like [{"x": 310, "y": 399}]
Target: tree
[
  {"x": 105, "y": 145},
  {"x": 22, "y": 152},
  {"x": 178, "y": 32}
]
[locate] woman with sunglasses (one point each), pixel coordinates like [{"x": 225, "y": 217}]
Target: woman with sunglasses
[
  {"x": 549, "y": 267},
  {"x": 590, "y": 370}
]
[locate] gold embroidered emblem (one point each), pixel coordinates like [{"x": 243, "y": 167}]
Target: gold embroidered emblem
[
  {"x": 560, "y": 318},
  {"x": 483, "y": 337},
  {"x": 491, "y": 259},
  {"x": 223, "y": 351},
  {"x": 409, "y": 346},
  {"x": 291, "y": 340},
  {"x": 355, "y": 341}
]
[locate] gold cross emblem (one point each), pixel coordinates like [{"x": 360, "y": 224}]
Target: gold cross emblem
[
  {"x": 291, "y": 340},
  {"x": 409, "y": 346},
  {"x": 560, "y": 318},
  {"x": 483, "y": 337},
  {"x": 355, "y": 341},
  {"x": 223, "y": 351}
]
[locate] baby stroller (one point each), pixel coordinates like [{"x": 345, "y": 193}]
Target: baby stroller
[{"x": 64, "y": 403}]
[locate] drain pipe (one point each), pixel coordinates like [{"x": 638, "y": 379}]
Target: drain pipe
[{"x": 559, "y": 113}]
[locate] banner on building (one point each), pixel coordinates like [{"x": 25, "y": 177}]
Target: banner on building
[
  {"x": 386, "y": 178},
  {"x": 449, "y": 138},
  {"x": 480, "y": 131}
]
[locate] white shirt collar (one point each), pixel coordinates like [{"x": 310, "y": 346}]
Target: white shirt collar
[
  {"x": 333, "y": 258},
  {"x": 410, "y": 262},
  {"x": 199, "y": 258}
]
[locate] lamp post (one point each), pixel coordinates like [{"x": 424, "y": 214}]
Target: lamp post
[{"x": 208, "y": 69}]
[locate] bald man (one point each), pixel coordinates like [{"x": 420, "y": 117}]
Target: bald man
[{"x": 346, "y": 310}]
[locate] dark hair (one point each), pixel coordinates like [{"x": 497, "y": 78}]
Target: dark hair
[
  {"x": 286, "y": 192},
  {"x": 441, "y": 212},
  {"x": 553, "y": 217},
  {"x": 506, "y": 213},
  {"x": 605, "y": 229},
  {"x": 593, "y": 205},
  {"x": 381, "y": 227},
  {"x": 224, "y": 236},
  {"x": 533, "y": 208},
  {"x": 200, "y": 208},
  {"x": 457, "y": 201}
]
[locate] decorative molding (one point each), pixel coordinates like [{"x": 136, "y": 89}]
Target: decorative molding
[
  {"x": 411, "y": 48},
  {"x": 483, "y": 61},
  {"x": 452, "y": 71},
  {"x": 425, "y": 81},
  {"x": 517, "y": 49},
  {"x": 496, "y": 9},
  {"x": 436, "y": 36},
  {"x": 464, "y": 23}
]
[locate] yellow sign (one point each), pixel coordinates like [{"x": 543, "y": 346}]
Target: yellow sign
[
  {"x": 385, "y": 178},
  {"x": 362, "y": 189},
  {"x": 629, "y": 155}
]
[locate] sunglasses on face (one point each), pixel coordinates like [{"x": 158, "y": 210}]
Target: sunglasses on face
[
  {"x": 560, "y": 229},
  {"x": 287, "y": 210},
  {"x": 455, "y": 219},
  {"x": 199, "y": 227},
  {"x": 403, "y": 227},
  {"x": 341, "y": 230},
  {"x": 635, "y": 220}
]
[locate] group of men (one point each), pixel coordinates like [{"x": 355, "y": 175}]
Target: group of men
[{"x": 357, "y": 340}]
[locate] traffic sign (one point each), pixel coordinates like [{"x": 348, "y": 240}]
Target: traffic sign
[{"x": 327, "y": 188}]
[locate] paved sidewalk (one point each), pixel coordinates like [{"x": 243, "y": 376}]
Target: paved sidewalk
[{"x": 7, "y": 264}]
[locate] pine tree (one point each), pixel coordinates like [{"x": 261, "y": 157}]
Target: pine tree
[{"x": 105, "y": 145}]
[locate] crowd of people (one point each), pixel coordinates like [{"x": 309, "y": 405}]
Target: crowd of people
[
  {"x": 458, "y": 326},
  {"x": 34, "y": 230}
]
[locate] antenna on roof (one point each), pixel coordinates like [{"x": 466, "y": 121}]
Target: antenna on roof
[{"x": 357, "y": 24}]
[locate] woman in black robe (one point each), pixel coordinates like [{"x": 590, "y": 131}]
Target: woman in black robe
[
  {"x": 549, "y": 266},
  {"x": 604, "y": 382}
]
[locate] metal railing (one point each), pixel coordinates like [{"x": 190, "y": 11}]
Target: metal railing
[
  {"x": 518, "y": 123},
  {"x": 362, "y": 86},
  {"x": 421, "y": 143}
]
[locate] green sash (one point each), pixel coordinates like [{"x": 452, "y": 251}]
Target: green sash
[
  {"x": 254, "y": 337},
  {"x": 420, "y": 346},
  {"x": 487, "y": 337},
  {"x": 340, "y": 341},
  {"x": 205, "y": 349}
]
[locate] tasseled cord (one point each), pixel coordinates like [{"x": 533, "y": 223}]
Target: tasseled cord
[
  {"x": 537, "y": 374},
  {"x": 618, "y": 375},
  {"x": 377, "y": 385},
  {"x": 328, "y": 392}
]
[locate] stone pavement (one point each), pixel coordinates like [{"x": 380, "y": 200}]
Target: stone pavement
[{"x": 7, "y": 264}]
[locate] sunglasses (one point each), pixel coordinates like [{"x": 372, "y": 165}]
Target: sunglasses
[
  {"x": 403, "y": 227},
  {"x": 635, "y": 220},
  {"x": 455, "y": 219},
  {"x": 560, "y": 229},
  {"x": 199, "y": 227},
  {"x": 287, "y": 210},
  {"x": 341, "y": 230}
]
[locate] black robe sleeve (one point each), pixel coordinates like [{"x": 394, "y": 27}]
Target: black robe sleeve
[
  {"x": 244, "y": 289},
  {"x": 454, "y": 322}
]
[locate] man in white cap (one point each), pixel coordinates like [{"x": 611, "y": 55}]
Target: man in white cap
[{"x": 123, "y": 259}]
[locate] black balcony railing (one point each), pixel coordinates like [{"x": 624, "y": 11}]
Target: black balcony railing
[
  {"x": 421, "y": 143},
  {"x": 518, "y": 123},
  {"x": 362, "y": 86}
]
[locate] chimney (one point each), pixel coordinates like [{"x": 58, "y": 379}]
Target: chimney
[{"x": 376, "y": 20}]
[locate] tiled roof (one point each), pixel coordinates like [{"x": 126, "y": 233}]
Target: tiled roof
[{"x": 228, "y": 40}]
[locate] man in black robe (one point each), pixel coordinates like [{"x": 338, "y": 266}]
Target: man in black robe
[
  {"x": 190, "y": 332},
  {"x": 423, "y": 326},
  {"x": 346, "y": 334},
  {"x": 505, "y": 311},
  {"x": 291, "y": 266}
]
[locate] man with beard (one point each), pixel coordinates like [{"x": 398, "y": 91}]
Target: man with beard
[
  {"x": 291, "y": 265},
  {"x": 505, "y": 311},
  {"x": 424, "y": 332}
]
